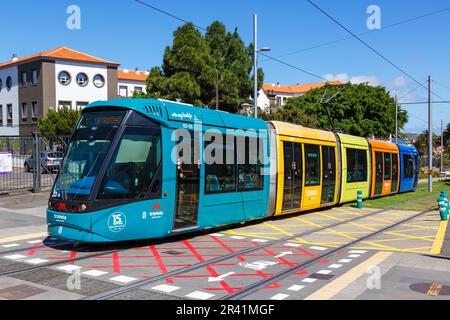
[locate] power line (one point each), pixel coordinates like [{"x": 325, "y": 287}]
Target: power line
[
  {"x": 324, "y": 44},
  {"x": 167, "y": 13},
  {"x": 441, "y": 84},
  {"x": 370, "y": 47}
]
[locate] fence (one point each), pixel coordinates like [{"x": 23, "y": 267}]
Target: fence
[{"x": 20, "y": 155}]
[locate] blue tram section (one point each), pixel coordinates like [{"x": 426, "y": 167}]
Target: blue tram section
[
  {"x": 410, "y": 167},
  {"x": 130, "y": 174}
]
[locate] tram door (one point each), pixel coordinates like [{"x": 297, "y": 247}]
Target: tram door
[
  {"x": 292, "y": 189},
  {"x": 328, "y": 174},
  {"x": 188, "y": 183},
  {"x": 378, "y": 173},
  {"x": 394, "y": 185}
]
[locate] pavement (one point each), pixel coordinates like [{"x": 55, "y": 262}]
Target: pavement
[{"x": 319, "y": 253}]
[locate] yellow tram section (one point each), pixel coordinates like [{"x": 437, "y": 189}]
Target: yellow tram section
[
  {"x": 389, "y": 174},
  {"x": 303, "y": 192},
  {"x": 357, "y": 177}
]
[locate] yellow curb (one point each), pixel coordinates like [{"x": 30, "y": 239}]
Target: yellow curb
[
  {"x": 336, "y": 286},
  {"x": 24, "y": 237}
]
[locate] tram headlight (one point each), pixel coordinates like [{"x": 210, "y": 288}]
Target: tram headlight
[{"x": 83, "y": 208}]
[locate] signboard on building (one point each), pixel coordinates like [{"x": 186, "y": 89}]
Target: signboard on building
[{"x": 6, "y": 162}]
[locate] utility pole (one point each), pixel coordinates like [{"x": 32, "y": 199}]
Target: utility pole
[
  {"x": 396, "y": 119},
  {"x": 442, "y": 146},
  {"x": 217, "y": 89},
  {"x": 255, "y": 64},
  {"x": 430, "y": 138}
]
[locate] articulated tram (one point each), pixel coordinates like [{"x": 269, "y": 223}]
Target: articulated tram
[{"x": 137, "y": 169}]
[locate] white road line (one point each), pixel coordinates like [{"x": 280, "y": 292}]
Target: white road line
[
  {"x": 295, "y": 245},
  {"x": 309, "y": 280},
  {"x": 123, "y": 279},
  {"x": 335, "y": 266},
  {"x": 279, "y": 296},
  {"x": 296, "y": 288},
  {"x": 259, "y": 240},
  {"x": 69, "y": 268},
  {"x": 324, "y": 272},
  {"x": 165, "y": 288},
  {"x": 217, "y": 235},
  {"x": 200, "y": 295},
  {"x": 34, "y": 241},
  {"x": 354, "y": 255},
  {"x": 94, "y": 273},
  {"x": 358, "y": 251},
  {"x": 345, "y": 261},
  {"x": 237, "y": 237},
  {"x": 36, "y": 261},
  {"x": 15, "y": 257},
  {"x": 318, "y": 248},
  {"x": 11, "y": 245}
]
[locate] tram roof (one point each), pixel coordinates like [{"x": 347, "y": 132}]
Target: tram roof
[
  {"x": 385, "y": 145},
  {"x": 293, "y": 130},
  {"x": 165, "y": 112}
]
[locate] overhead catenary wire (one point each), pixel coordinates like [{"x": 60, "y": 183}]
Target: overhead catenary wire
[
  {"x": 324, "y": 44},
  {"x": 370, "y": 47}
]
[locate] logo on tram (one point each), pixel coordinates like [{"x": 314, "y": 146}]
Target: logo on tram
[
  {"x": 117, "y": 222},
  {"x": 156, "y": 212}
]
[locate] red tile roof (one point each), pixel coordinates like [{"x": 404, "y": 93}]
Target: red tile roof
[
  {"x": 61, "y": 53},
  {"x": 297, "y": 88},
  {"x": 132, "y": 75}
]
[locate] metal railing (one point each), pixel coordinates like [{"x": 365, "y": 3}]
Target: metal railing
[{"x": 20, "y": 155}]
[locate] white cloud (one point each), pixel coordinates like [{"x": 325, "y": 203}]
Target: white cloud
[
  {"x": 345, "y": 77},
  {"x": 399, "y": 82}
]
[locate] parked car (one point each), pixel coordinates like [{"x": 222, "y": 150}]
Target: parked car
[{"x": 50, "y": 162}]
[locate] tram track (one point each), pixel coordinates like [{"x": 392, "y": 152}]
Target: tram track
[
  {"x": 290, "y": 271},
  {"x": 127, "y": 288}
]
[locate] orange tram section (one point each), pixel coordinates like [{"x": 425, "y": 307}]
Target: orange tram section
[{"x": 318, "y": 168}]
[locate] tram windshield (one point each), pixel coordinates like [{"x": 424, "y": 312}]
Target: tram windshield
[{"x": 87, "y": 150}]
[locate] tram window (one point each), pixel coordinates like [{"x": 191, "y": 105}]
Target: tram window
[
  {"x": 133, "y": 165},
  {"x": 387, "y": 166},
  {"x": 408, "y": 163},
  {"x": 250, "y": 170},
  {"x": 356, "y": 165},
  {"x": 312, "y": 165},
  {"x": 220, "y": 176}
]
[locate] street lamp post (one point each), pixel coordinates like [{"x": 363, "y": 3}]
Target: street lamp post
[{"x": 255, "y": 63}]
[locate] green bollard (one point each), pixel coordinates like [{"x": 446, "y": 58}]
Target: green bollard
[
  {"x": 442, "y": 209},
  {"x": 447, "y": 204},
  {"x": 360, "y": 200}
]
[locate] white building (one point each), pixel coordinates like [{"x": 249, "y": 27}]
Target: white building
[{"x": 130, "y": 81}]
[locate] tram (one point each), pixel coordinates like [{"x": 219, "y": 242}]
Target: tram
[{"x": 147, "y": 168}]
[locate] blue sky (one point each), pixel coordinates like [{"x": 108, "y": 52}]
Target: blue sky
[{"x": 127, "y": 32}]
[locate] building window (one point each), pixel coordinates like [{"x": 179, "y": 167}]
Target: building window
[
  {"x": 356, "y": 165},
  {"x": 123, "y": 91},
  {"x": 34, "y": 111},
  {"x": 24, "y": 111},
  {"x": 34, "y": 77},
  {"x": 64, "y": 78},
  {"x": 81, "y": 105},
  {"x": 82, "y": 79},
  {"x": 312, "y": 165},
  {"x": 1, "y": 85},
  {"x": 99, "y": 81},
  {"x": 278, "y": 101},
  {"x": 8, "y": 83},
  {"x": 64, "y": 104},
  {"x": 9, "y": 114},
  {"x": 1, "y": 115},
  {"x": 250, "y": 175},
  {"x": 137, "y": 89},
  {"x": 24, "y": 79},
  {"x": 220, "y": 174}
]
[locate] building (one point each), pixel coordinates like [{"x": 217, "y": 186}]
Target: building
[
  {"x": 131, "y": 81},
  {"x": 61, "y": 77},
  {"x": 274, "y": 96}
]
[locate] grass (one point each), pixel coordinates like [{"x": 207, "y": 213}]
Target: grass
[{"x": 420, "y": 200}]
